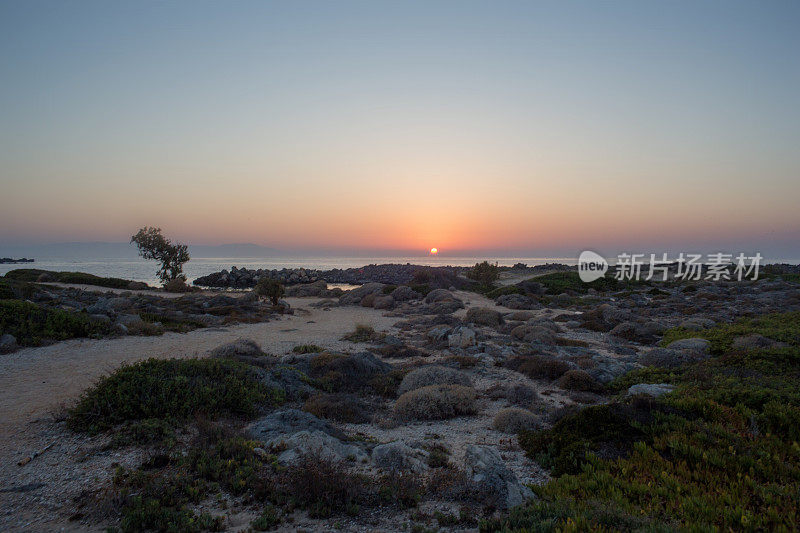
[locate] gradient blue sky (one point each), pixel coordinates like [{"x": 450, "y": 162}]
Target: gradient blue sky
[{"x": 463, "y": 125}]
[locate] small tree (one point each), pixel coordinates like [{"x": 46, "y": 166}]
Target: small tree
[
  {"x": 269, "y": 288},
  {"x": 153, "y": 245},
  {"x": 484, "y": 273}
]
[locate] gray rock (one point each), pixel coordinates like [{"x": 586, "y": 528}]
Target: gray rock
[
  {"x": 383, "y": 302},
  {"x": 355, "y": 296},
  {"x": 695, "y": 344},
  {"x": 397, "y": 456},
  {"x": 315, "y": 442},
  {"x": 669, "y": 358},
  {"x": 287, "y": 422},
  {"x": 484, "y": 317},
  {"x": 754, "y": 342},
  {"x": 8, "y": 343},
  {"x": 462, "y": 337},
  {"x": 439, "y": 295},
  {"x": 650, "y": 389},
  {"x": 403, "y": 293},
  {"x": 239, "y": 347},
  {"x": 438, "y": 333},
  {"x": 697, "y": 323},
  {"x": 533, "y": 333},
  {"x": 517, "y": 301},
  {"x": 486, "y": 469}
]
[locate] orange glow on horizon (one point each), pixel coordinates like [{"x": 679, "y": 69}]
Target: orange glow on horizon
[{"x": 434, "y": 251}]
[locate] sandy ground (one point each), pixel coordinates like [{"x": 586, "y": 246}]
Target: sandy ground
[{"x": 35, "y": 383}]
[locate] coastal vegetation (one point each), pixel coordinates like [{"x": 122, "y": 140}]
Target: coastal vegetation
[
  {"x": 33, "y": 325},
  {"x": 720, "y": 452},
  {"x": 33, "y": 275}
]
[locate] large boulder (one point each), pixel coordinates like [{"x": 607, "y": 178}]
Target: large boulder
[
  {"x": 399, "y": 457},
  {"x": 462, "y": 337},
  {"x": 8, "y": 343},
  {"x": 439, "y": 295},
  {"x": 237, "y": 348},
  {"x": 534, "y": 333},
  {"x": 383, "y": 302},
  {"x": 317, "y": 443},
  {"x": 695, "y": 344},
  {"x": 486, "y": 469},
  {"x": 355, "y": 296},
  {"x": 404, "y": 293},
  {"x": 307, "y": 289},
  {"x": 288, "y": 422},
  {"x": 484, "y": 317}
]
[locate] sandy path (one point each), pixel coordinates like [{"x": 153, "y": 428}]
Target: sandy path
[{"x": 35, "y": 381}]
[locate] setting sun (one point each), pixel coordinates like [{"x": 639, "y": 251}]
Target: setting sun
[{"x": 434, "y": 251}]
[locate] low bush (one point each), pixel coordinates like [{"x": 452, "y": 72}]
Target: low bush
[
  {"x": 539, "y": 367},
  {"x": 436, "y": 402},
  {"x": 270, "y": 289},
  {"x": 307, "y": 348},
  {"x": 387, "y": 384},
  {"x": 433, "y": 375},
  {"x": 339, "y": 407},
  {"x": 79, "y": 278},
  {"x": 323, "y": 485},
  {"x": 579, "y": 380},
  {"x": 172, "y": 390},
  {"x": 515, "y": 420},
  {"x": 484, "y": 273},
  {"x": 32, "y": 324},
  {"x": 362, "y": 333},
  {"x": 177, "y": 285},
  {"x": 345, "y": 373}
]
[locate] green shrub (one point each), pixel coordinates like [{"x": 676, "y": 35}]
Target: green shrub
[
  {"x": 362, "y": 333},
  {"x": 171, "y": 389},
  {"x": 32, "y": 275},
  {"x": 502, "y": 291},
  {"x": 269, "y": 519},
  {"x": 307, "y": 348},
  {"x": 539, "y": 367},
  {"x": 323, "y": 485},
  {"x": 436, "y": 402},
  {"x": 32, "y": 324},
  {"x": 422, "y": 288},
  {"x": 558, "y": 282},
  {"x": 339, "y": 407},
  {"x": 269, "y": 288},
  {"x": 484, "y": 273}
]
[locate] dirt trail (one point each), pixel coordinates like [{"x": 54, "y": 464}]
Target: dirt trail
[{"x": 35, "y": 381}]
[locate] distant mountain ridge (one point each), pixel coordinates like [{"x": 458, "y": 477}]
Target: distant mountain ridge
[{"x": 124, "y": 250}]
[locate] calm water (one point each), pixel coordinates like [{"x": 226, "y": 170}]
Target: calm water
[{"x": 141, "y": 270}]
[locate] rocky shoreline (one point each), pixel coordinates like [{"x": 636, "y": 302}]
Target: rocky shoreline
[
  {"x": 390, "y": 274},
  {"x": 12, "y": 261}
]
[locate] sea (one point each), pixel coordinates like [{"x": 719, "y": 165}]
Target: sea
[{"x": 142, "y": 270}]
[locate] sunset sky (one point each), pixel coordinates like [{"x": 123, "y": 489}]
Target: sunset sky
[{"x": 534, "y": 126}]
